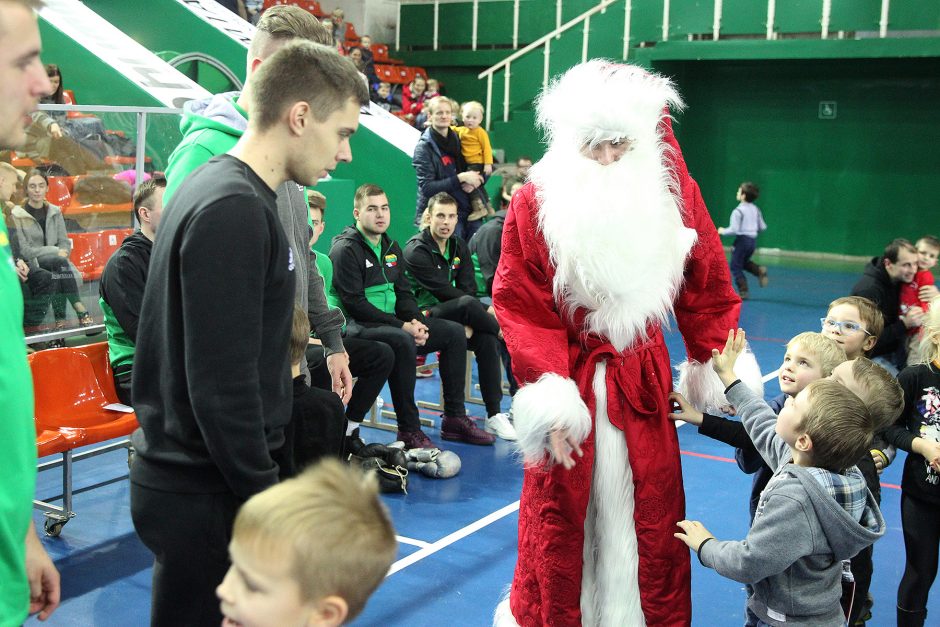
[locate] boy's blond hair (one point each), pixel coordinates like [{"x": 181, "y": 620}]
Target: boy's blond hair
[
  {"x": 882, "y": 393},
  {"x": 299, "y": 335},
  {"x": 470, "y": 104},
  {"x": 868, "y": 312},
  {"x": 331, "y": 524},
  {"x": 827, "y": 351},
  {"x": 839, "y": 425},
  {"x": 929, "y": 345}
]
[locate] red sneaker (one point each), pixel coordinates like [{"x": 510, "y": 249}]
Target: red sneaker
[{"x": 463, "y": 429}]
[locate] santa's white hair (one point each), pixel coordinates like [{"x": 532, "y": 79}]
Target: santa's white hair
[{"x": 614, "y": 232}]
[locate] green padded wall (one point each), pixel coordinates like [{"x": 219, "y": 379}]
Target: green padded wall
[{"x": 845, "y": 185}]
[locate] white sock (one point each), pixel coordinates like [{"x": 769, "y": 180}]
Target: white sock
[{"x": 351, "y": 426}]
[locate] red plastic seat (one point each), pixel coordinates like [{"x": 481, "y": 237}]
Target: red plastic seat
[
  {"x": 71, "y": 392},
  {"x": 60, "y": 192},
  {"x": 85, "y": 254},
  {"x": 53, "y": 442}
]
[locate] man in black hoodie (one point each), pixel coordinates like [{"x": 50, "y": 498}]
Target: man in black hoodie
[
  {"x": 881, "y": 283},
  {"x": 122, "y": 284},
  {"x": 369, "y": 278},
  {"x": 211, "y": 383}
]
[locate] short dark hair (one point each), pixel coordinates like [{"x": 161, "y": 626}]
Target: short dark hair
[
  {"x": 282, "y": 23},
  {"x": 441, "y": 198},
  {"x": 299, "y": 335},
  {"x": 896, "y": 245},
  {"x": 35, "y": 171},
  {"x": 750, "y": 191},
  {"x": 145, "y": 192},
  {"x": 304, "y": 72},
  {"x": 365, "y": 190}
]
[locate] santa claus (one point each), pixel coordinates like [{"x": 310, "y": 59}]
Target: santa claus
[{"x": 606, "y": 243}]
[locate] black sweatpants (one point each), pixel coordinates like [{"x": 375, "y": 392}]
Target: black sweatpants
[
  {"x": 444, "y": 336},
  {"x": 920, "y": 521},
  {"x": 189, "y": 536},
  {"x": 370, "y": 362},
  {"x": 484, "y": 343},
  {"x": 64, "y": 281},
  {"x": 37, "y": 293}
]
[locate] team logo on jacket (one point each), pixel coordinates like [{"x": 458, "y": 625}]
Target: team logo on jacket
[
  {"x": 290, "y": 259},
  {"x": 455, "y": 265},
  {"x": 391, "y": 260},
  {"x": 447, "y": 160}
]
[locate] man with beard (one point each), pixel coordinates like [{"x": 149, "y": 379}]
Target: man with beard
[{"x": 609, "y": 237}]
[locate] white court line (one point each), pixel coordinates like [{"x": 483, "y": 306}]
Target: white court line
[
  {"x": 446, "y": 541},
  {"x": 765, "y": 379},
  {"x": 412, "y": 541}
]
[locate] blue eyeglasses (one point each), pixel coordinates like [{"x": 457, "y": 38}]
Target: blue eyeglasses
[{"x": 845, "y": 328}]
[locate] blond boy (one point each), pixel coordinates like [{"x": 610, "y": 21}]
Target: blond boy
[
  {"x": 476, "y": 150},
  {"x": 854, "y": 323},
  {"x": 308, "y": 551},
  {"x": 816, "y": 510}
]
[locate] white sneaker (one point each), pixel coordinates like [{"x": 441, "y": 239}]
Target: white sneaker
[{"x": 499, "y": 425}]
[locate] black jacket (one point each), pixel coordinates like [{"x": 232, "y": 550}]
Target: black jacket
[
  {"x": 877, "y": 286},
  {"x": 486, "y": 244},
  {"x": 211, "y": 383},
  {"x": 436, "y": 172},
  {"x": 919, "y": 419},
  {"x": 430, "y": 272},
  {"x": 124, "y": 279},
  {"x": 356, "y": 269}
]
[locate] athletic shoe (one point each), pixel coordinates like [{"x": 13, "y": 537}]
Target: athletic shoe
[
  {"x": 762, "y": 277},
  {"x": 420, "y": 372},
  {"x": 352, "y": 444},
  {"x": 499, "y": 425},
  {"x": 415, "y": 439},
  {"x": 463, "y": 429}
]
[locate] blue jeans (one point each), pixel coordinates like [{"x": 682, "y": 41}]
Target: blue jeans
[{"x": 741, "y": 253}]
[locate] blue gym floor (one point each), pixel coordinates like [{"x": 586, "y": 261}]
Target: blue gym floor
[{"x": 458, "y": 536}]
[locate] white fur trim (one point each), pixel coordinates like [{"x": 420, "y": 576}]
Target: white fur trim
[
  {"x": 700, "y": 384},
  {"x": 503, "y": 617},
  {"x": 610, "y": 589},
  {"x": 553, "y": 402}
]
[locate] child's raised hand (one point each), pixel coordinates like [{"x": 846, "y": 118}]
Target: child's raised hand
[
  {"x": 723, "y": 362},
  {"x": 686, "y": 412},
  {"x": 695, "y": 533},
  {"x": 487, "y": 168}
]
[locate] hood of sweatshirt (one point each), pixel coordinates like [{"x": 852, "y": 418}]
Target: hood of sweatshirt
[
  {"x": 875, "y": 269},
  {"x": 218, "y": 112},
  {"x": 845, "y": 534},
  {"x": 138, "y": 241}
]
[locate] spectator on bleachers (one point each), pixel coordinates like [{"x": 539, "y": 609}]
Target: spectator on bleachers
[
  {"x": 355, "y": 54},
  {"x": 382, "y": 96},
  {"x": 123, "y": 281},
  {"x": 523, "y": 163},
  {"x": 338, "y": 20},
  {"x": 213, "y": 125},
  {"x": 327, "y": 25},
  {"x": 235, "y": 6},
  {"x": 365, "y": 43},
  {"x": 881, "y": 284},
  {"x": 412, "y": 99},
  {"x": 77, "y": 128},
  {"x": 35, "y": 281},
  {"x": 477, "y": 154},
  {"x": 440, "y": 269},
  {"x": 41, "y": 229},
  {"x": 486, "y": 243},
  {"x": 370, "y": 281},
  {"x": 510, "y": 186},
  {"x": 440, "y": 166},
  {"x": 433, "y": 88},
  {"x": 211, "y": 384},
  {"x": 369, "y": 362},
  {"x": 30, "y": 581}
]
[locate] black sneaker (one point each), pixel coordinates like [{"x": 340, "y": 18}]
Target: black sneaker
[{"x": 352, "y": 444}]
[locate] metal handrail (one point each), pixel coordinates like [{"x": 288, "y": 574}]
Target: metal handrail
[{"x": 543, "y": 41}]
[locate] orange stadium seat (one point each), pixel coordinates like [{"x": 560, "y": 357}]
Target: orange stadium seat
[
  {"x": 91, "y": 251},
  {"x": 60, "y": 191}
]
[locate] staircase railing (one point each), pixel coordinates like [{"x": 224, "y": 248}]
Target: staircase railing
[{"x": 544, "y": 42}]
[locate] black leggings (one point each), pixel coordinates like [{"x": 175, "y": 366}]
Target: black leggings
[
  {"x": 64, "y": 282},
  {"x": 920, "y": 521}
]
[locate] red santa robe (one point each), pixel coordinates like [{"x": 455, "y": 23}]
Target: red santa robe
[{"x": 557, "y": 358}]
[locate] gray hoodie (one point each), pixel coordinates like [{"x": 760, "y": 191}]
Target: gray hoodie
[
  {"x": 212, "y": 126},
  {"x": 793, "y": 553}
]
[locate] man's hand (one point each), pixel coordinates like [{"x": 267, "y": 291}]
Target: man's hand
[
  {"x": 55, "y": 130},
  {"x": 694, "y": 534},
  {"x": 723, "y": 362},
  {"x": 927, "y": 293},
  {"x": 22, "y": 270},
  {"x": 686, "y": 412},
  {"x": 418, "y": 330},
  {"x": 474, "y": 179},
  {"x": 562, "y": 446},
  {"x": 913, "y": 317},
  {"x": 44, "y": 585},
  {"x": 338, "y": 365}
]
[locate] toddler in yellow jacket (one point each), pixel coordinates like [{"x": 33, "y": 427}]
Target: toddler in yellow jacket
[{"x": 477, "y": 152}]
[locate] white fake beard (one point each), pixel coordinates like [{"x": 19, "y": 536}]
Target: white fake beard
[{"x": 615, "y": 236}]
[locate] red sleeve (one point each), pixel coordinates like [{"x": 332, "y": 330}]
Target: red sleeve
[
  {"x": 534, "y": 330},
  {"x": 707, "y": 305}
]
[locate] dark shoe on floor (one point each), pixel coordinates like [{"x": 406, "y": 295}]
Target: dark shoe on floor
[
  {"x": 352, "y": 444},
  {"x": 463, "y": 429},
  {"x": 415, "y": 439},
  {"x": 762, "y": 277},
  {"x": 59, "y": 343},
  {"x": 742, "y": 288}
]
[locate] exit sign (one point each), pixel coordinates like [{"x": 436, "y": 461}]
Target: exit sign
[{"x": 827, "y": 110}]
